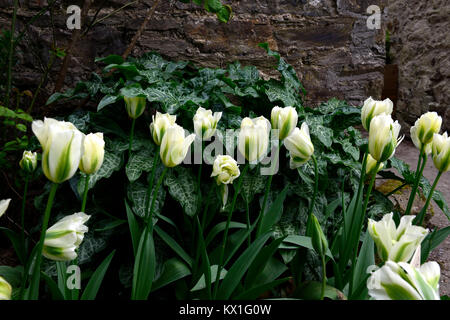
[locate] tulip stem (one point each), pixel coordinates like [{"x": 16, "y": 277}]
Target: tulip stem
[
  {"x": 34, "y": 286},
  {"x": 22, "y": 212},
  {"x": 158, "y": 185},
  {"x": 313, "y": 200},
  {"x": 247, "y": 213},
  {"x": 225, "y": 234},
  {"x": 133, "y": 123},
  {"x": 85, "y": 193},
  {"x": 419, "y": 171},
  {"x": 324, "y": 277},
  {"x": 266, "y": 192},
  {"x": 419, "y": 219},
  {"x": 150, "y": 183}
]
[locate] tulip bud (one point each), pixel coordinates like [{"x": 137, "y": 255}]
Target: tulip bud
[
  {"x": 94, "y": 152},
  {"x": 371, "y": 164},
  {"x": 285, "y": 120},
  {"x": 372, "y": 108},
  {"x": 205, "y": 123},
  {"x": 64, "y": 237},
  {"x": 28, "y": 163},
  {"x": 318, "y": 239},
  {"x": 5, "y": 289},
  {"x": 174, "y": 146},
  {"x": 441, "y": 151},
  {"x": 402, "y": 281},
  {"x": 161, "y": 122},
  {"x": 135, "y": 106},
  {"x": 254, "y": 138},
  {"x": 4, "y": 206},
  {"x": 396, "y": 244},
  {"x": 300, "y": 146},
  {"x": 225, "y": 169},
  {"x": 62, "y": 146},
  {"x": 383, "y": 137},
  {"x": 424, "y": 129}
]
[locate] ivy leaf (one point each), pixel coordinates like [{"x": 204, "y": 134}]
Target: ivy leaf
[
  {"x": 137, "y": 193},
  {"x": 140, "y": 161},
  {"x": 111, "y": 163},
  {"x": 181, "y": 184}
]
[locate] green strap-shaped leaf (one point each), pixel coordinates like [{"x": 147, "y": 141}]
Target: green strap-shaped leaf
[
  {"x": 97, "y": 278},
  {"x": 173, "y": 270}
]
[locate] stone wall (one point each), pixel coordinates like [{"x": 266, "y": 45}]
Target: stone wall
[
  {"x": 327, "y": 42},
  {"x": 420, "y": 47}
]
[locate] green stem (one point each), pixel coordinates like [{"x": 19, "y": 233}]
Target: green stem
[
  {"x": 227, "y": 226},
  {"x": 419, "y": 171},
  {"x": 22, "y": 210},
  {"x": 133, "y": 123},
  {"x": 10, "y": 54},
  {"x": 395, "y": 190},
  {"x": 366, "y": 202},
  {"x": 150, "y": 183},
  {"x": 158, "y": 185},
  {"x": 419, "y": 219},
  {"x": 313, "y": 200},
  {"x": 206, "y": 260},
  {"x": 247, "y": 213},
  {"x": 324, "y": 277},
  {"x": 266, "y": 192},
  {"x": 85, "y": 193},
  {"x": 34, "y": 286}
]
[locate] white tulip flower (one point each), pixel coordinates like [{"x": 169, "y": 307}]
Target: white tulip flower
[
  {"x": 94, "y": 153},
  {"x": 5, "y": 289},
  {"x": 424, "y": 129},
  {"x": 62, "y": 146},
  {"x": 205, "y": 123},
  {"x": 300, "y": 146},
  {"x": 396, "y": 244},
  {"x": 135, "y": 106},
  {"x": 371, "y": 164},
  {"x": 174, "y": 146},
  {"x": 225, "y": 170},
  {"x": 402, "y": 281},
  {"x": 161, "y": 122},
  {"x": 285, "y": 120},
  {"x": 64, "y": 237},
  {"x": 28, "y": 162},
  {"x": 383, "y": 137},
  {"x": 372, "y": 108},
  {"x": 253, "y": 140},
  {"x": 4, "y": 206},
  {"x": 441, "y": 151}
]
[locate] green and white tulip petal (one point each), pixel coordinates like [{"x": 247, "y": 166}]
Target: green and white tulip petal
[
  {"x": 383, "y": 137},
  {"x": 284, "y": 120},
  {"x": 174, "y": 146},
  {"x": 300, "y": 146},
  {"x": 441, "y": 151},
  {"x": 64, "y": 237},
  {"x": 205, "y": 123},
  {"x": 28, "y": 162},
  {"x": 253, "y": 140},
  {"x": 225, "y": 169},
  {"x": 423, "y": 131},
  {"x": 5, "y": 289},
  {"x": 4, "y": 206},
  {"x": 62, "y": 146},
  {"x": 160, "y": 124},
  {"x": 318, "y": 239},
  {"x": 402, "y": 281},
  {"x": 94, "y": 153},
  {"x": 372, "y": 108},
  {"x": 371, "y": 164},
  {"x": 135, "y": 106},
  {"x": 396, "y": 244}
]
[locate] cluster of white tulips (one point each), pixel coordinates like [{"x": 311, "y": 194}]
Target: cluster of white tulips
[{"x": 402, "y": 276}]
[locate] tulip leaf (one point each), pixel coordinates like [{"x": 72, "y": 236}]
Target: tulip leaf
[
  {"x": 221, "y": 227},
  {"x": 135, "y": 230},
  {"x": 255, "y": 292},
  {"x": 273, "y": 215},
  {"x": 173, "y": 270},
  {"x": 174, "y": 245},
  {"x": 181, "y": 184},
  {"x": 366, "y": 259},
  {"x": 432, "y": 240},
  {"x": 91, "y": 290},
  {"x": 144, "y": 267},
  {"x": 201, "y": 283}
]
